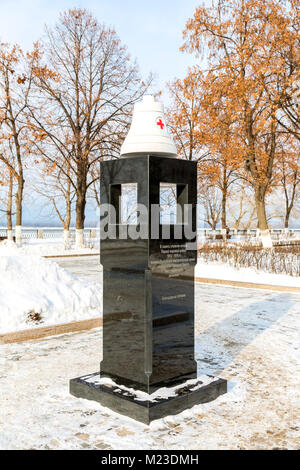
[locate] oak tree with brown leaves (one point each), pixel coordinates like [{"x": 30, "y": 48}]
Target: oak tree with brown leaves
[
  {"x": 202, "y": 132},
  {"x": 247, "y": 44}
]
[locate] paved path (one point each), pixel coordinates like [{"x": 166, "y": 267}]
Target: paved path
[
  {"x": 90, "y": 268},
  {"x": 249, "y": 337},
  {"x": 84, "y": 267}
]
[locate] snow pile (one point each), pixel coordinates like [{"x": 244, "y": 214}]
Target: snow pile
[
  {"x": 7, "y": 246},
  {"x": 35, "y": 291},
  {"x": 222, "y": 271},
  {"x": 249, "y": 337}
]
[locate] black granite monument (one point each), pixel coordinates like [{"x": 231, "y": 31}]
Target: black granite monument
[{"x": 148, "y": 296}]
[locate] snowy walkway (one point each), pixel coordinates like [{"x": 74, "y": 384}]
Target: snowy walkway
[
  {"x": 250, "y": 337},
  {"x": 89, "y": 268},
  {"x": 85, "y": 267}
]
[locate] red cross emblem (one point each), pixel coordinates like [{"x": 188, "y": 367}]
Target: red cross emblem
[{"x": 160, "y": 123}]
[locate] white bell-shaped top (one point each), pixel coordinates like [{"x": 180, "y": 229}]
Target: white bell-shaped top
[{"x": 148, "y": 131}]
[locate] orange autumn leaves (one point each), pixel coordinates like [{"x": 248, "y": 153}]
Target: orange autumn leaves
[{"x": 251, "y": 51}]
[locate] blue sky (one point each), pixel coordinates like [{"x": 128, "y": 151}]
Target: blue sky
[{"x": 152, "y": 29}]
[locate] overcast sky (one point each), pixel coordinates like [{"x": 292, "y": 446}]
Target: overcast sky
[{"x": 151, "y": 29}]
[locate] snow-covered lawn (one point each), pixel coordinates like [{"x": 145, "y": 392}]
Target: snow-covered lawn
[
  {"x": 47, "y": 247},
  {"x": 68, "y": 289},
  {"x": 250, "y": 337},
  {"x": 90, "y": 268},
  {"x": 214, "y": 270},
  {"x": 33, "y": 288}
]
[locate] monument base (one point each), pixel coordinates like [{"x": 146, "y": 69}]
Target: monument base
[{"x": 122, "y": 401}]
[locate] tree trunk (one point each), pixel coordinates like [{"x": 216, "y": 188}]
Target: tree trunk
[
  {"x": 66, "y": 236},
  {"x": 287, "y": 218},
  {"x": 223, "y": 216},
  {"x": 262, "y": 217},
  {"x": 261, "y": 208},
  {"x": 9, "y": 208},
  {"x": 80, "y": 216},
  {"x": 19, "y": 203},
  {"x": 289, "y": 202},
  {"x": 67, "y": 223},
  {"x": 224, "y": 199}
]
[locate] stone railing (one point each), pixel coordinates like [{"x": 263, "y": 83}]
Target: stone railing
[
  {"x": 91, "y": 233},
  {"x": 50, "y": 233}
]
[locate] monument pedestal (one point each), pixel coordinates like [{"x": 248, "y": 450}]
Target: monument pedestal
[
  {"x": 148, "y": 292},
  {"x": 145, "y": 411}
]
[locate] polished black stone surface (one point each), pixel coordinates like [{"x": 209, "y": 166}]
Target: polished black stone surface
[
  {"x": 126, "y": 403},
  {"x": 148, "y": 288},
  {"x": 148, "y": 292}
]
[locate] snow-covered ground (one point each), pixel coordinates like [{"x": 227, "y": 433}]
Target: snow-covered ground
[
  {"x": 248, "y": 336},
  {"x": 223, "y": 271},
  {"x": 67, "y": 289},
  {"x": 35, "y": 291},
  {"x": 89, "y": 268}
]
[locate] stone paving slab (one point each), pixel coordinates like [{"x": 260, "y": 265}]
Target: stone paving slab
[{"x": 250, "y": 338}]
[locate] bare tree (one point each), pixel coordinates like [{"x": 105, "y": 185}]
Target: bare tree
[
  {"x": 241, "y": 207},
  {"x": 85, "y": 86},
  {"x": 14, "y": 93},
  {"x": 211, "y": 201},
  {"x": 56, "y": 188}
]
